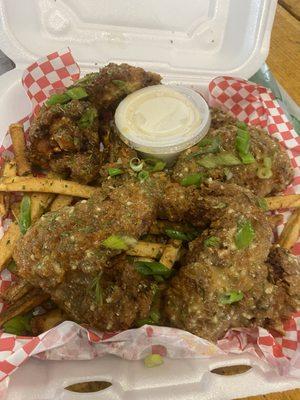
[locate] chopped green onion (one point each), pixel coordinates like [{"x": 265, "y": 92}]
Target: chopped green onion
[
  {"x": 178, "y": 235},
  {"x": 228, "y": 174},
  {"x": 136, "y": 164},
  {"x": 245, "y": 234},
  {"x": 12, "y": 267},
  {"x": 153, "y": 319},
  {"x": 262, "y": 203},
  {"x": 117, "y": 242},
  {"x": 57, "y": 99},
  {"x": 216, "y": 160},
  {"x": 19, "y": 325},
  {"x": 153, "y": 360},
  {"x": 193, "y": 179},
  {"x": 212, "y": 241},
  {"x": 152, "y": 268},
  {"x": 96, "y": 290},
  {"x": 115, "y": 171},
  {"x": 143, "y": 175},
  {"x": 88, "y": 118},
  {"x": 231, "y": 297},
  {"x": 155, "y": 316},
  {"x": 265, "y": 171},
  {"x": 207, "y": 145},
  {"x": 242, "y": 145},
  {"x": 242, "y": 125},
  {"x": 25, "y": 214},
  {"x": 77, "y": 93},
  {"x": 219, "y": 205},
  {"x": 120, "y": 84},
  {"x": 154, "y": 165}
]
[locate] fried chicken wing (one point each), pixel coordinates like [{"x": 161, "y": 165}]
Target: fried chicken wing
[
  {"x": 221, "y": 161},
  {"x": 66, "y": 136}
]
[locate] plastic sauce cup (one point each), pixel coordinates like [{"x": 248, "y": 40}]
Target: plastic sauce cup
[{"x": 163, "y": 120}]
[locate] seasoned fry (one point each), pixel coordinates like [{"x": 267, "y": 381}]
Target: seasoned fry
[
  {"x": 43, "y": 323},
  {"x": 15, "y": 209},
  {"x": 23, "y": 305},
  {"x": 39, "y": 204},
  {"x": 46, "y": 185},
  {"x": 275, "y": 220},
  {"x": 8, "y": 242},
  {"x": 2, "y": 205},
  {"x": 61, "y": 201},
  {"x": 17, "y": 136},
  {"x": 289, "y": 201},
  {"x": 291, "y": 230},
  {"x": 16, "y": 290},
  {"x": 13, "y": 234},
  {"x": 170, "y": 253},
  {"x": 10, "y": 169},
  {"x": 146, "y": 249}
]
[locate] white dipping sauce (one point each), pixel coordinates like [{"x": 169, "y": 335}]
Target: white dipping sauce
[{"x": 161, "y": 121}]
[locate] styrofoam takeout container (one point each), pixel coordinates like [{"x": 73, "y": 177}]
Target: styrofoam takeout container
[{"x": 189, "y": 43}]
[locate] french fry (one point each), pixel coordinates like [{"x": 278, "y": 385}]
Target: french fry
[
  {"x": 2, "y": 205},
  {"x": 15, "y": 209},
  {"x": 61, "y": 201},
  {"x": 8, "y": 242},
  {"x": 13, "y": 234},
  {"x": 16, "y": 290},
  {"x": 170, "y": 253},
  {"x": 46, "y": 185},
  {"x": 146, "y": 249},
  {"x": 288, "y": 201},
  {"x": 17, "y": 136},
  {"x": 31, "y": 300},
  {"x": 44, "y": 322},
  {"x": 291, "y": 230},
  {"x": 39, "y": 204},
  {"x": 10, "y": 169}
]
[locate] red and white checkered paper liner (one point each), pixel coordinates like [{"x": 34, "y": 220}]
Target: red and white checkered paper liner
[{"x": 248, "y": 102}]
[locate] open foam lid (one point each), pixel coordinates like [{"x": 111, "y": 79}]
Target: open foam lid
[{"x": 187, "y": 41}]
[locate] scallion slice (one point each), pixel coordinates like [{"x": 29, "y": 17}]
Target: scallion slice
[
  {"x": 212, "y": 241},
  {"x": 136, "y": 164},
  {"x": 143, "y": 176},
  {"x": 262, "y": 203},
  {"x": 77, "y": 93},
  {"x": 153, "y": 360},
  {"x": 193, "y": 179},
  {"x": 152, "y": 268},
  {"x": 155, "y": 165},
  {"x": 25, "y": 214},
  {"x": 178, "y": 235},
  {"x": 57, "y": 98},
  {"x": 88, "y": 118},
  {"x": 118, "y": 242},
  {"x": 265, "y": 171},
  {"x": 19, "y": 325},
  {"x": 211, "y": 161},
  {"x": 115, "y": 171},
  {"x": 207, "y": 145},
  {"x": 242, "y": 146},
  {"x": 231, "y": 297},
  {"x": 245, "y": 234}
]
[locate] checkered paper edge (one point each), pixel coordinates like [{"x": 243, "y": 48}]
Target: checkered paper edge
[{"x": 71, "y": 341}]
